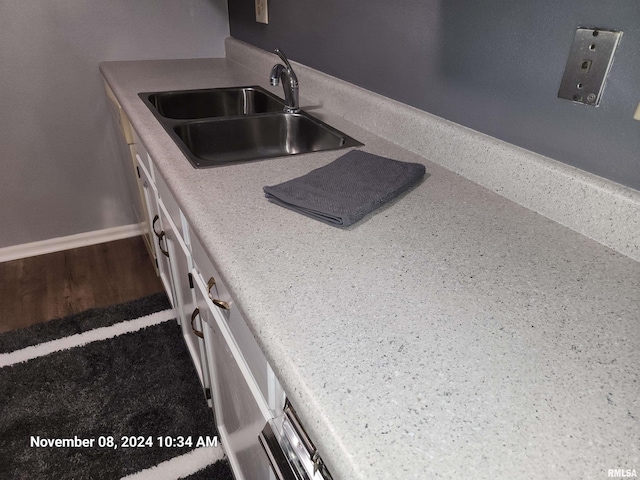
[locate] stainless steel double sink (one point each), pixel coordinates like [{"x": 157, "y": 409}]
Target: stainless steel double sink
[{"x": 220, "y": 126}]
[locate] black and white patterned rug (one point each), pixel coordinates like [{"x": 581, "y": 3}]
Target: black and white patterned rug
[{"x": 105, "y": 394}]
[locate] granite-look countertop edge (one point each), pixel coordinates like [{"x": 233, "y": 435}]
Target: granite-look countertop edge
[{"x": 441, "y": 336}]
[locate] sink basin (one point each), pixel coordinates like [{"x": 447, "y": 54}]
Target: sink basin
[
  {"x": 212, "y": 102},
  {"x": 219, "y": 126},
  {"x": 217, "y": 142}
]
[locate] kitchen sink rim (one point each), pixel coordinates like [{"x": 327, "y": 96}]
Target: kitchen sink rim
[{"x": 170, "y": 125}]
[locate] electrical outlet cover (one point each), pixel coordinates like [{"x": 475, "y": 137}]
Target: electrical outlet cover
[
  {"x": 588, "y": 65},
  {"x": 262, "y": 11}
]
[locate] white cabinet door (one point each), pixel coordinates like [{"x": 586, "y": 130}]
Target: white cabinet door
[
  {"x": 260, "y": 369},
  {"x": 139, "y": 199},
  {"x": 239, "y": 409},
  {"x": 184, "y": 304},
  {"x": 174, "y": 266},
  {"x": 132, "y": 178},
  {"x": 159, "y": 244}
]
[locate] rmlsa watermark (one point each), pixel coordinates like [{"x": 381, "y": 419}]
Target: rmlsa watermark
[{"x": 622, "y": 473}]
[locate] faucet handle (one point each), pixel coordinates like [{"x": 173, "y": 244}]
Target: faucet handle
[
  {"x": 282, "y": 56},
  {"x": 292, "y": 103}
]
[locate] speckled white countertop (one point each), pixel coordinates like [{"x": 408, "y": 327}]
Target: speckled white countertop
[{"x": 451, "y": 334}]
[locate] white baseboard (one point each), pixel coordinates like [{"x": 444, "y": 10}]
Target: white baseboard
[{"x": 71, "y": 241}]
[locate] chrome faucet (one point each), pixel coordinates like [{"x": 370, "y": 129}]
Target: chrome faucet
[{"x": 289, "y": 82}]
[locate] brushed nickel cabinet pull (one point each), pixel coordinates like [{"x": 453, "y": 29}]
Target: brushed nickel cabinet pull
[
  {"x": 195, "y": 313},
  {"x": 218, "y": 303},
  {"x": 153, "y": 225},
  {"x": 160, "y": 237}
]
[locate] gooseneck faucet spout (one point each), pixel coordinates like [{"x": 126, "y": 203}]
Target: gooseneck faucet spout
[{"x": 286, "y": 75}]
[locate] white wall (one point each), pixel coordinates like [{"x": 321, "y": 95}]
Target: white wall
[
  {"x": 492, "y": 65},
  {"x": 59, "y": 174}
]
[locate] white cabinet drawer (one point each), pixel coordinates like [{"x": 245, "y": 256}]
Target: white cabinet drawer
[
  {"x": 171, "y": 205},
  {"x": 142, "y": 152}
]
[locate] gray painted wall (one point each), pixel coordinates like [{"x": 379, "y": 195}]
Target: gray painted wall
[
  {"x": 494, "y": 66},
  {"x": 58, "y": 152}
]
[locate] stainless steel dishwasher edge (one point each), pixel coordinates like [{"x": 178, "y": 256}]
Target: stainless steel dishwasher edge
[{"x": 290, "y": 451}]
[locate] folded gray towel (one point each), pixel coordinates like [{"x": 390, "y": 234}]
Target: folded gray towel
[{"x": 347, "y": 189}]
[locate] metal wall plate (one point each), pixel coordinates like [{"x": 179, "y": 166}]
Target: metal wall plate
[{"x": 588, "y": 65}]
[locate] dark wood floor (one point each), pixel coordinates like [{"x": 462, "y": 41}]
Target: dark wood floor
[{"x": 45, "y": 287}]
